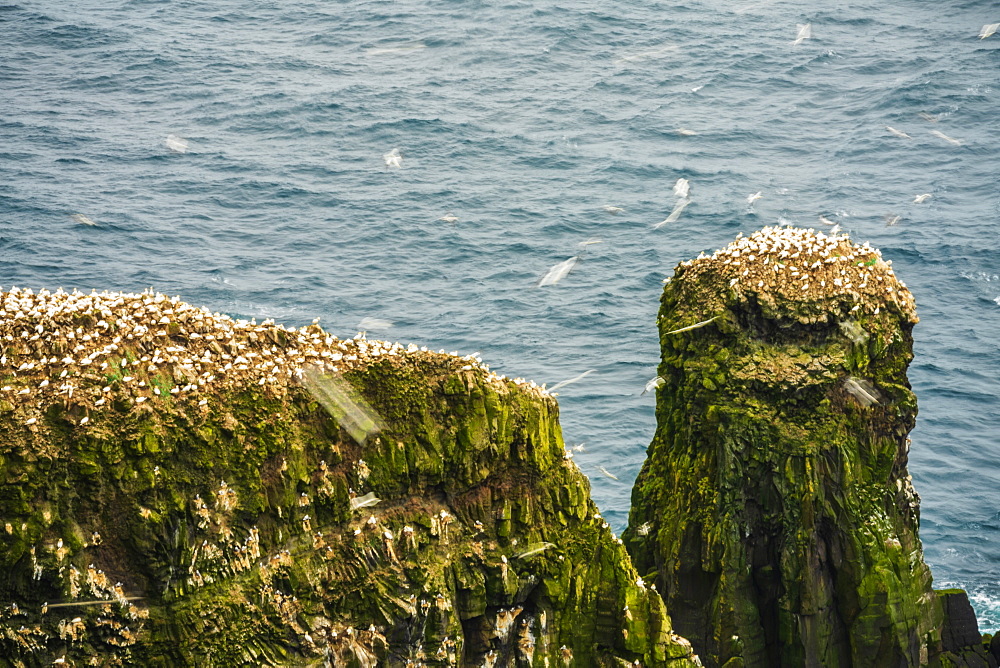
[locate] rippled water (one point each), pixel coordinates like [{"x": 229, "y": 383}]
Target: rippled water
[{"x": 523, "y": 120}]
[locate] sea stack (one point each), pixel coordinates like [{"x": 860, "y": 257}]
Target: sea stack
[{"x": 774, "y": 510}]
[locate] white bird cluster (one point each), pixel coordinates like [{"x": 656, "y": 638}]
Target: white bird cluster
[
  {"x": 803, "y": 264},
  {"x": 102, "y": 349}
]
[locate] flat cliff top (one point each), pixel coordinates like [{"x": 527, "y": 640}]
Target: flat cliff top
[
  {"x": 802, "y": 265},
  {"x": 94, "y": 349}
]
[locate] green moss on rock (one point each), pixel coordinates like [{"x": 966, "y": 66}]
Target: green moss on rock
[
  {"x": 774, "y": 509},
  {"x": 173, "y": 495}
]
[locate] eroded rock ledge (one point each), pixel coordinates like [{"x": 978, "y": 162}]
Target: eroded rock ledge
[{"x": 181, "y": 488}]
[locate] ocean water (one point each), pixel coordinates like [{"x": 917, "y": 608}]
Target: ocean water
[{"x": 523, "y": 120}]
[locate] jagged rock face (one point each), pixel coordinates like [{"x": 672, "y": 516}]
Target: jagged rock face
[
  {"x": 181, "y": 488},
  {"x": 774, "y": 509}
]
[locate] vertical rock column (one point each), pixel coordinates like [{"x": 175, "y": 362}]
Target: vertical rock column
[{"x": 774, "y": 508}]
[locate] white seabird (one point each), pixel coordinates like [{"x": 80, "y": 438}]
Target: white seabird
[
  {"x": 373, "y": 324},
  {"x": 83, "y": 220},
  {"x": 393, "y": 158},
  {"x": 950, "y": 140},
  {"x": 805, "y": 32},
  {"x": 898, "y": 133},
  {"x": 176, "y": 144},
  {"x": 675, "y": 214},
  {"x": 682, "y": 188},
  {"x": 558, "y": 272},
  {"x": 564, "y": 383}
]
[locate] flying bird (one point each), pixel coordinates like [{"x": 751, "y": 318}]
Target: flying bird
[
  {"x": 373, "y": 324},
  {"x": 83, "y": 220},
  {"x": 898, "y": 133},
  {"x": 393, "y": 158},
  {"x": 950, "y": 140},
  {"x": 558, "y": 272},
  {"x": 694, "y": 326},
  {"x": 682, "y": 188},
  {"x": 862, "y": 390},
  {"x": 988, "y": 30},
  {"x": 176, "y": 144},
  {"x": 652, "y": 384},
  {"x": 365, "y": 501},
  {"x": 607, "y": 473},
  {"x": 564, "y": 383},
  {"x": 675, "y": 214},
  {"x": 754, "y": 197},
  {"x": 920, "y": 199},
  {"x": 449, "y": 218},
  {"x": 613, "y": 210},
  {"x": 805, "y": 32}
]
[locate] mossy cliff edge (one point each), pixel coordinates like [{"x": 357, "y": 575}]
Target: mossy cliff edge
[
  {"x": 179, "y": 488},
  {"x": 774, "y": 510}
]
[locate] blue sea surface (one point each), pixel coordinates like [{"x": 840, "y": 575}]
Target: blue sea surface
[{"x": 524, "y": 120}]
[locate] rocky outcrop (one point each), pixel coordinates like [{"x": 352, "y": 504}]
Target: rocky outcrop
[
  {"x": 774, "y": 510},
  {"x": 179, "y": 488}
]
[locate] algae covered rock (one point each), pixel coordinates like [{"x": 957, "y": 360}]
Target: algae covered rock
[
  {"x": 774, "y": 509},
  {"x": 182, "y": 488}
]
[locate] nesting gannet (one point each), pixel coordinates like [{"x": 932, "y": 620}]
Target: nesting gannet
[
  {"x": 805, "y": 32},
  {"x": 155, "y": 335},
  {"x": 558, "y": 272},
  {"x": 988, "y": 30},
  {"x": 898, "y": 133},
  {"x": 176, "y": 144},
  {"x": 83, "y": 220},
  {"x": 920, "y": 199},
  {"x": 950, "y": 140},
  {"x": 393, "y": 158}
]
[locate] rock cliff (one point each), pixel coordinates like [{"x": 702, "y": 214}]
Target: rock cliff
[{"x": 181, "y": 488}]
